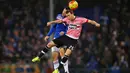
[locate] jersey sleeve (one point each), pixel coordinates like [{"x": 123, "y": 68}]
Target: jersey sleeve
[
  {"x": 59, "y": 17},
  {"x": 65, "y": 20},
  {"x": 52, "y": 30},
  {"x": 84, "y": 20}
]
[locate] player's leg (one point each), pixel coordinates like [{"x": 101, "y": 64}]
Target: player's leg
[
  {"x": 70, "y": 44},
  {"x": 43, "y": 51},
  {"x": 62, "y": 54},
  {"x": 64, "y": 59},
  {"x": 55, "y": 54}
]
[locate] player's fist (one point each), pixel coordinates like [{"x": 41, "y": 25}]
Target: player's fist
[
  {"x": 97, "y": 25},
  {"x": 62, "y": 33},
  {"x": 46, "y": 38},
  {"x": 49, "y": 23}
]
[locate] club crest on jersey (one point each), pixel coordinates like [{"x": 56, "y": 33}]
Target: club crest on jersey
[{"x": 72, "y": 26}]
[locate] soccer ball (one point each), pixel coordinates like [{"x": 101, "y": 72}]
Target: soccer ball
[{"x": 73, "y": 5}]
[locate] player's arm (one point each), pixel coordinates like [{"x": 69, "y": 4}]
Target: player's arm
[
  {"x": 54, "y": 22},
  {"x": 66, "y": 29},
  {"x": 52, "y": 29},
  {"x": 64, "y": 32},
  {"x": 94, "y": 23}
]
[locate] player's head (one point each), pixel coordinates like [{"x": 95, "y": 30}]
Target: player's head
[
  {"x": 70, "y": 14},
  {"x": 64, "y": 11}
]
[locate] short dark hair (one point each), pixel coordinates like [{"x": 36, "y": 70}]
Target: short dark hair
[
  {"x": 67, "y": 8},
  {"x": 71, "y": 11}
]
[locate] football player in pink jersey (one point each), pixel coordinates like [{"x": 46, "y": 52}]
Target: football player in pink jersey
[{"x": 68, "y": 41}]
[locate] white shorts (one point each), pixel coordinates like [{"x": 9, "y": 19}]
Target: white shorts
[{"x": 55, "y": 49}]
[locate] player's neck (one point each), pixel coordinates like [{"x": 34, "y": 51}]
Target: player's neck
[{"x": 73, "y": 18}]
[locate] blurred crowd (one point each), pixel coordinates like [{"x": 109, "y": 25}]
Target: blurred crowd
[{"x": 23, "y": 28}]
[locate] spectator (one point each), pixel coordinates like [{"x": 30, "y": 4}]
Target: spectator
[
  {"x": 115, "y": 68},
  {"x": 92, "y": 65}
]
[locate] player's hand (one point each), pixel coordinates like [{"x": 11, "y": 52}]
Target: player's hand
[
  {"x": 97, "y": 25},
  {"x": 46, "y": 38},
  {"x": 62, "y": 33},
  {"x": 49, "y": 23}
]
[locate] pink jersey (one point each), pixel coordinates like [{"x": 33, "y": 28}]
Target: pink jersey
[{"x": 75, "y": 26}]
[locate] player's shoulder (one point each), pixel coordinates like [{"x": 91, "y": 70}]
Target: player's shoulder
[
  {"x": 59, "y": 16},
  {"x": 79, "y": 17},
  {"x": 65, "y": 19}
]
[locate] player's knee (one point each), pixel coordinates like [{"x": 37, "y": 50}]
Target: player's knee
[
  {"x": 55, "y": 56},
  {"x": 62, "y": 52},
  {"x": 68, "y": 52},
  {"x": 50, "y": 44},
  {"x": 71, "y": 47}
]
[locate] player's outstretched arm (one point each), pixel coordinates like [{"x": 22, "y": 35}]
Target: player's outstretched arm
[
  {"x": 54, "y": 22},
  {"x": 94, "y": 23},
  {"x": 52, "y": 29}
]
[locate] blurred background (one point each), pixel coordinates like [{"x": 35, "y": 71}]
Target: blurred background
[{"x": 104, "y": 50}]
